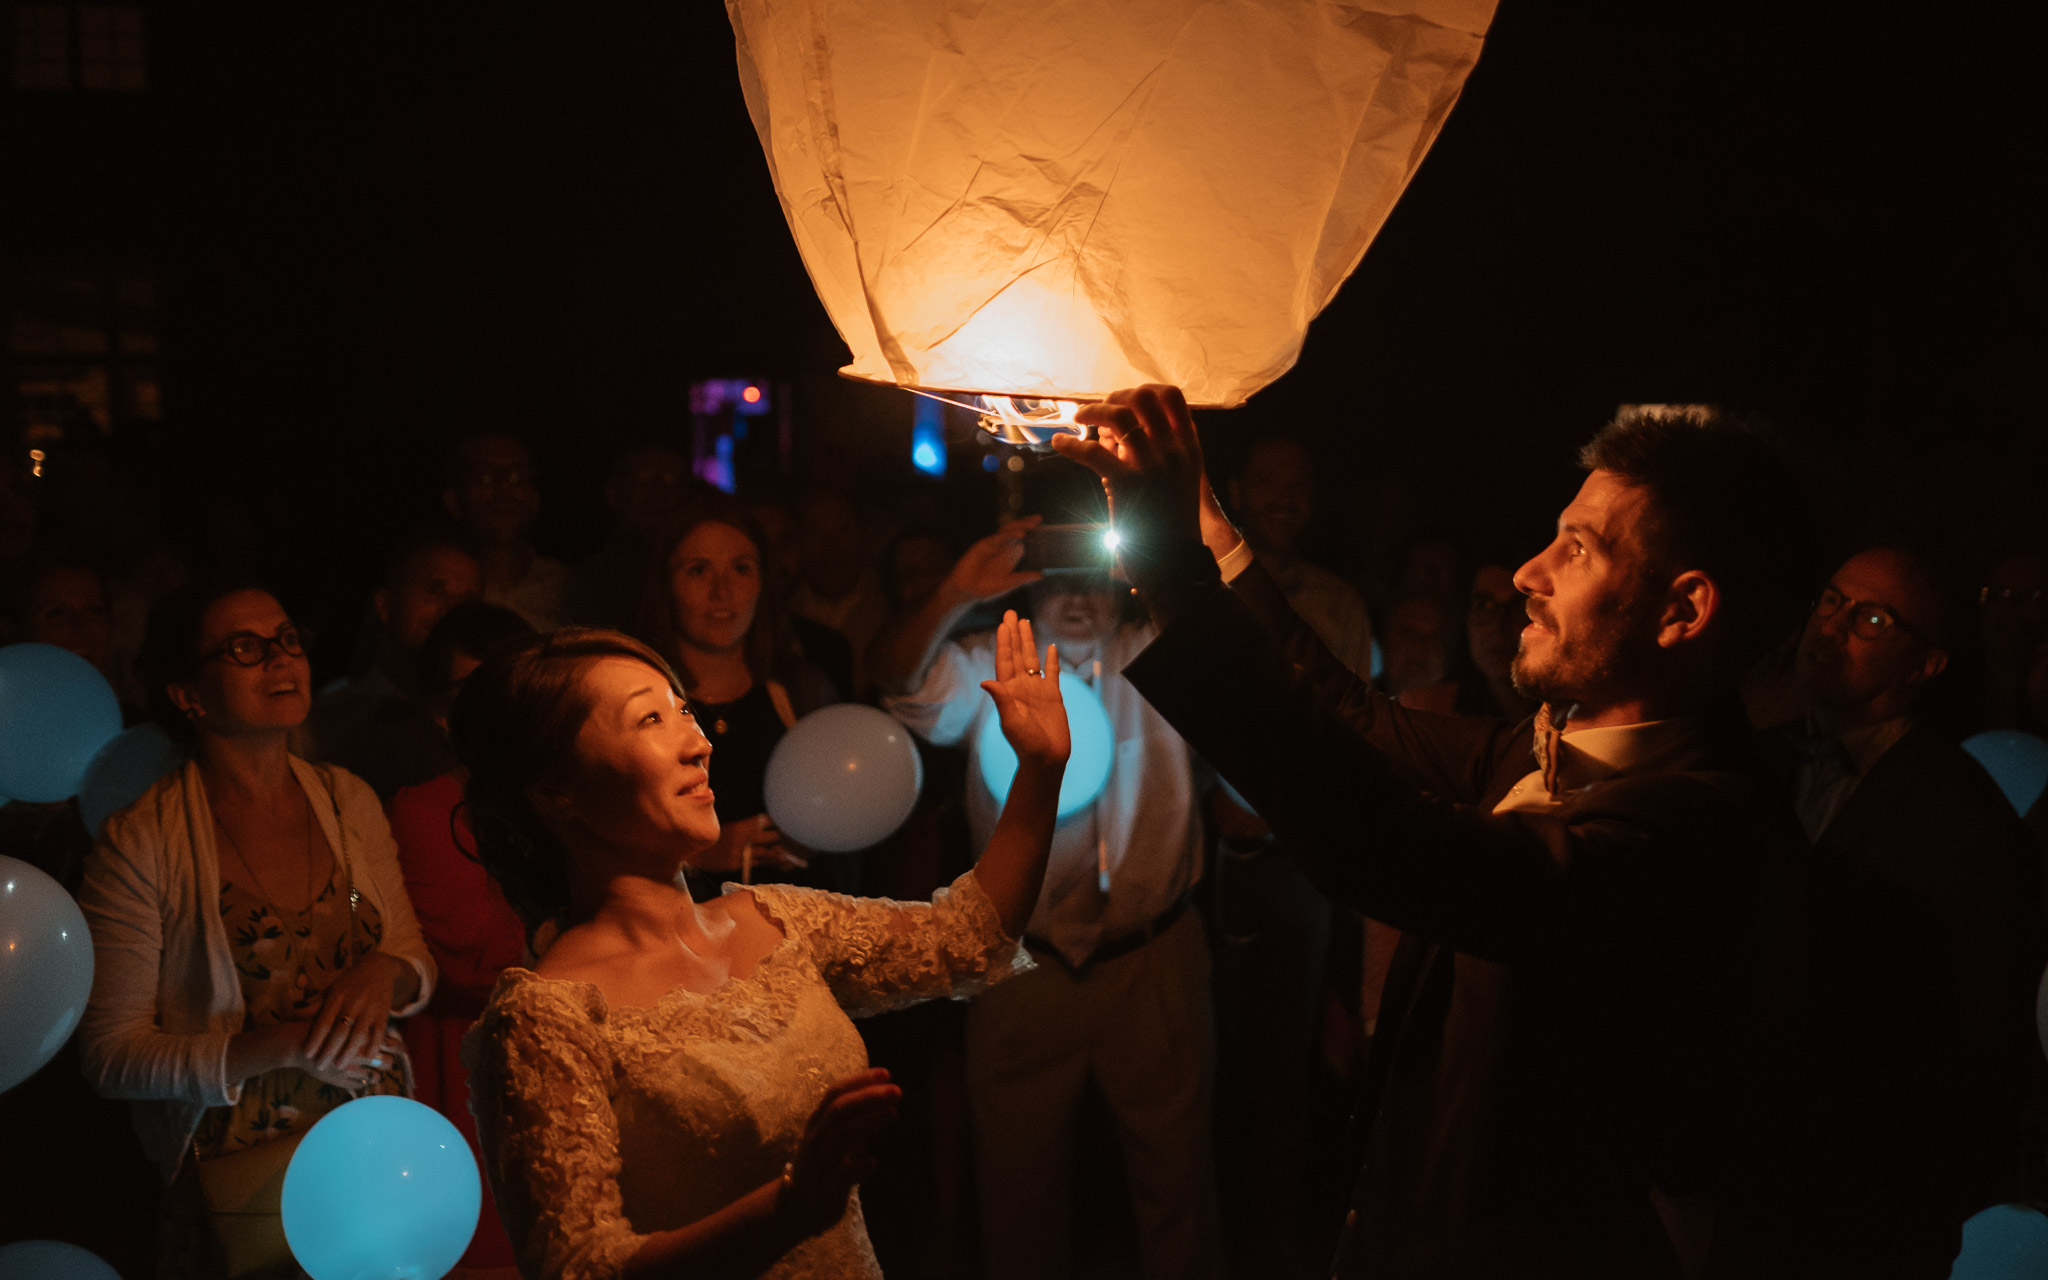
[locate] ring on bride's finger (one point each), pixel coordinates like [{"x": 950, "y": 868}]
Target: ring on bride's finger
[{"x": 1034, "y": 671}]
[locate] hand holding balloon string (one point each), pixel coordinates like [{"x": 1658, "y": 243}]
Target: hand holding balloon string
[{"x": 750, "y": 844}]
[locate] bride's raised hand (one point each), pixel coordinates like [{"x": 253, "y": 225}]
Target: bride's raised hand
[{"x": 1027, "y": 695}]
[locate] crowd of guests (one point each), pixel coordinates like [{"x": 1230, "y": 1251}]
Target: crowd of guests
[{"x": 1202, "y": 1008}]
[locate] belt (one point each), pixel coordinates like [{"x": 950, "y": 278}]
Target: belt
[{"x": 1121, "y": 945}]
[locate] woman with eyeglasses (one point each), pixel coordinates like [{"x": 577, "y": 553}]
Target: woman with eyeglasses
[{"x": 251, "y": 934}]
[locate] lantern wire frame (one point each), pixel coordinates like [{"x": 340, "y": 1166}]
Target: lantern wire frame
[
  {"x": 1022, "y": 421},
  {"x": 1016, "y": 420},
  {"x": 1025, "y": 422}
]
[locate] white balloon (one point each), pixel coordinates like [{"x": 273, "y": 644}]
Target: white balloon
[
  {"x": 45, "y": 969},
  {"x": 843, "y": 778}
]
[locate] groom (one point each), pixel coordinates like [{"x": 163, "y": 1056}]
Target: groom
[{"x": 1574, "y": 894}]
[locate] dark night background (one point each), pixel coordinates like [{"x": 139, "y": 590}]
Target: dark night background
[
  {"x": 289, "y": 252},
  {"x": 374, "y": 227}
]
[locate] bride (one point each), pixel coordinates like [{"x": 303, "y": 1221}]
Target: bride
[{"x": 675, "y": 1089}]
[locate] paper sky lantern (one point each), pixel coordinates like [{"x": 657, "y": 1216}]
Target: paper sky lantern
[{"x": 1058, "y": 198}]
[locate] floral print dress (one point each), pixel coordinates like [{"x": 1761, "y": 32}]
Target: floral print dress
[{"x": 286, "y": 961}]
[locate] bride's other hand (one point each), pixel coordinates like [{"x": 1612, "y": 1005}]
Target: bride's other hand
[
  {"x": 1027, "y": 695},
  {"x": 834, "y": 1154}
]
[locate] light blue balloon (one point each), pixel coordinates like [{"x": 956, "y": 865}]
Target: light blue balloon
[
  {"x": 1087, "y": 766},
  {"x": 381, "y": 1187},
  {"x": 2004, "y": 1242},
  {"x": 45, "y": 969},
  {"x": 843, "y": 778},
  {"x": 127, "y": 766},
  {"x": 52, "y": 1260},
  {"x": 58, "y": 711},
  {"x": 2017, "y": 762}
]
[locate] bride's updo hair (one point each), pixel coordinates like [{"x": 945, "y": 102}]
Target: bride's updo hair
[{"x": 514, "y": 724}]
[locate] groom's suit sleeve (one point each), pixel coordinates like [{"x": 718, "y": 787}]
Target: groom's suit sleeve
[
  {"x": 1379, "y": 803},
  {"x": 1455, "y": 757}
]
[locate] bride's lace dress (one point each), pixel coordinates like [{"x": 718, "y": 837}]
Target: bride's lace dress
[{"x": 600, "y": 1125}]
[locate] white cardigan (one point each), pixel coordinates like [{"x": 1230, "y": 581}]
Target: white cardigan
[{"x": 165, "y": 994}]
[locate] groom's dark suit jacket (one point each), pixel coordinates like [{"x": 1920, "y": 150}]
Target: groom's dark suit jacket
[{"x": 1557, "y": 1032}]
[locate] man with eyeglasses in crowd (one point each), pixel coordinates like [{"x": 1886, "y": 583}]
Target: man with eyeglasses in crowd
[{"x": 1927, "y": 930}]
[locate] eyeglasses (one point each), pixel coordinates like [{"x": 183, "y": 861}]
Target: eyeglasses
[
  {"x": 247, "y": 649},
  {"x": 1871, "y": 621},
  {"x": 2010, "y": 595}
]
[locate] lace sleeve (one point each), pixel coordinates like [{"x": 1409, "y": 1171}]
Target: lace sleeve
[
  {"x": 877, "y": 954},
  {"x": 539, "y": 1076}
]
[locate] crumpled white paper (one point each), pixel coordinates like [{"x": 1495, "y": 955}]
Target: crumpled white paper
[{"x": 1063, "y": 197}]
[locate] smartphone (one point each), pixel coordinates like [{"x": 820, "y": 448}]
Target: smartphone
[{"x": 1068, "y": 548}]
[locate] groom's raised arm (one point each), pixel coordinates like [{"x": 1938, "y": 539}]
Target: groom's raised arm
[
  {"x": 1334, "y": 771},
  {"x": 1447, "y": 755}
]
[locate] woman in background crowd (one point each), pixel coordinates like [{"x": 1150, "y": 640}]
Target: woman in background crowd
[
  {"x": 1494, "y": 618},
  {"x": 713, "y": 617},
  {"x": 470, "y": 930},
  {"x": 251, "y": 934}
]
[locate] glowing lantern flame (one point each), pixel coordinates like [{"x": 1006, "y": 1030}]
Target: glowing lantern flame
[
  {"x": 1043, "y": 199},
  {"x": 1021, "y": 420}
]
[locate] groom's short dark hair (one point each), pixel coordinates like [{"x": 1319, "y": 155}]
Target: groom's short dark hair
[{"x": 1724, "y": 499}]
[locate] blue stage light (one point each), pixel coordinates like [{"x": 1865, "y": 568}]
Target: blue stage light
[{"x": 928, "y": 436}]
